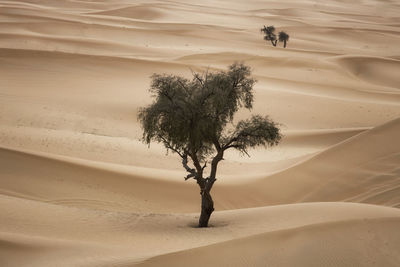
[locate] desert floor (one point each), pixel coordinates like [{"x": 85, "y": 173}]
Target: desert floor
[{"x": 78, "y": 188}]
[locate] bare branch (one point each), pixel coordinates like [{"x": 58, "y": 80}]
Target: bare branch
[
  {"x": 196, "y": 162},
  {"x": 216, "y": 143},
  {"x": 214, "y": 163},
  {"x": 204, "y": 166},
  {"x": 169, "y": 146},
  {"x": 197, "y": 77},
  {"x": 192, "y": 172}
]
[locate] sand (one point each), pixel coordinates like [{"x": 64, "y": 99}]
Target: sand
[{"x": 78, "y": 188}]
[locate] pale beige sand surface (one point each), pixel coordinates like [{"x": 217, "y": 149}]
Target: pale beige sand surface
[{"x": 78, "y": 188}]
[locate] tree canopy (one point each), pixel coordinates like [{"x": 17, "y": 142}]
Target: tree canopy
[
  {"x": 190, "y": 116},
  {"x": 269, "y": 34},
  {"x": 283, "y": 37}
]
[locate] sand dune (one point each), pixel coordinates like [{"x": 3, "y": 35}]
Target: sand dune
[
  {"x": 381, "y": 71},
  {"x": 78, "y": 188},
  {"x": 135, "y": 12},
  {"x": 352, "y": 178},
  {"x": 362, "y": 168},
  {"x": 303, "y": 246},
  {"x": 91, "y": 184},
  {"x": 108, "y": 237}
]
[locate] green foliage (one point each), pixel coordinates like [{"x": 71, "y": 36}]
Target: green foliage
[
  {"x": 256, "y": 131},
  {"x": 190, "y": 117},
  {"x": 283, "y": 36},
  {"x": 269, "y": 33}
]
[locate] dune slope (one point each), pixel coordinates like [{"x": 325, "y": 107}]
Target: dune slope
[
  {"x": 372, "y": 244},
  {"x": 363, "y": 168},
  {"x": 104, "y": 238}
]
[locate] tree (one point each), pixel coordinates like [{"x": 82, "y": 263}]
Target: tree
[
  {"x": 194, "y": 119},
  {"x": 283, "y": 37},
  {"x": 269, "y": 34}
]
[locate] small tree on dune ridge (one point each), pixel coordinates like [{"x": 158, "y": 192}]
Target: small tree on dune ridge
[
  {"x": 269, "y": 34},
  {"x": 283, "y": 37},
  {"x": 194, "y": 119}
]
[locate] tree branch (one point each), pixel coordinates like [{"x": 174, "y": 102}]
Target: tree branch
[
  {"x": 192, "y": 172},
  {"x": 214, "y": 163},
  {"x": 169, "y": 146},
  {"x": 184, "y": 87},
  {"x": 196, "y": 162},
  {"x": 216, "y": 143},
  {"x": 204, "y": 166},
  {"x": 253, "y": 132},
  {"x": 229, "y": 143},
  {"x": 197, "y": 77}
]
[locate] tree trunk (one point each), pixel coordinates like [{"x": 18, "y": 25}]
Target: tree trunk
[
  {"x": 273, "y": 43},
  {"x": 284, "y": 44},
  {"x": 207, "y": 207}
]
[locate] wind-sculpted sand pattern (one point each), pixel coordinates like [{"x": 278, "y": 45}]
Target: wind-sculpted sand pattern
[{"x": 78, "y": 188}]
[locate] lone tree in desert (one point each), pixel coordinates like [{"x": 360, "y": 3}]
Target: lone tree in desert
[
  {"x": 283, "y": 37},
  {"x": 269, "y": 34},
  {"x": 194, "y": 119}
]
